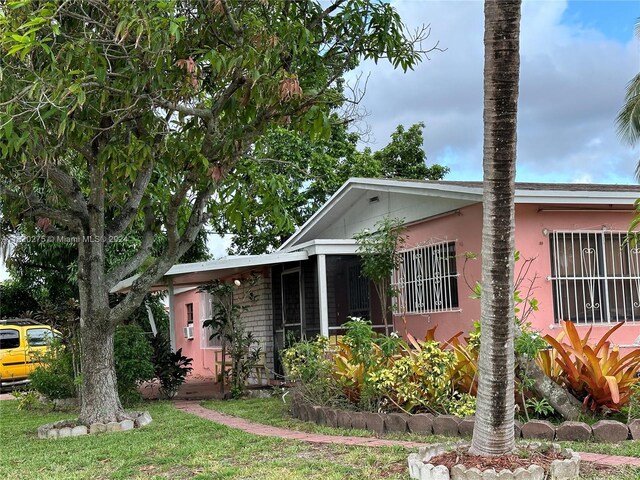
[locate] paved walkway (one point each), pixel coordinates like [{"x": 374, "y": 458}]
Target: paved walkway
[{"x": 267, "y": 431}]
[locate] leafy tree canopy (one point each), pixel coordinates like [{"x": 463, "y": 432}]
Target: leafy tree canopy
[
  {"x": 310, "y": 171},
  {"x": 132, "y": 117}
]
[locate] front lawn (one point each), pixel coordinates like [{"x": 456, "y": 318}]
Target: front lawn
[
  {"x": 273, "y": 411},
  {"x": 179, "y": 446}
]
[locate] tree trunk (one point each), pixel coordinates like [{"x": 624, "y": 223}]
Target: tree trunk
[
  {"x": 559, "y": 398},
  {"x": 98, "y": 391},
  {"x": 493, "y": 432}
]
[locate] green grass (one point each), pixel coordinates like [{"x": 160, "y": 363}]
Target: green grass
[
  {"x": 179, "y": 446},
  {"x": 273, "y": 411}
]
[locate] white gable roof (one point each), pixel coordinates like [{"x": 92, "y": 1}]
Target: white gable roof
[{"x": 361, "y": 202}]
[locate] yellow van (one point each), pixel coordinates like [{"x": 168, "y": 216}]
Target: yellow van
[{"x": 21, "y": 342}]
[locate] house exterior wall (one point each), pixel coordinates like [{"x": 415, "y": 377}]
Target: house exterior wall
[
  {"x": 203, "y": 358},
  {"x": 532, "y": 223},
  {"x": 258, "y": 317}
]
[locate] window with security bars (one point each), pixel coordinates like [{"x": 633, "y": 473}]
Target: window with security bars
[
  {"x": 427, "y": 280},
  {"x": 595, "y": 277}
]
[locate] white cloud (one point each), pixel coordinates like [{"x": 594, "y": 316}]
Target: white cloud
[{"x": 572, "y": 86}]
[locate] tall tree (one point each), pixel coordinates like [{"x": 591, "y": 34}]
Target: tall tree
[
  {"x": 628, "y": 120},
  {"x": 309, "y": 171},
  {"x": 121, "y": 116},
  {"x": 493, "y": 431}
]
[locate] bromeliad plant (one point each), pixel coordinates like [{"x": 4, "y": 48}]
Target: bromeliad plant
[{"x": 596, "y": 373}]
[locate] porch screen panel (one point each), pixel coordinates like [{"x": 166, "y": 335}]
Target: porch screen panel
[
  {"x": 595, "y": 277},
  {"x": 427, "y": 280}
]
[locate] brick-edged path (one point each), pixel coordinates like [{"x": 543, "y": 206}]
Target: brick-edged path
[{"x": 267, "y": 431}]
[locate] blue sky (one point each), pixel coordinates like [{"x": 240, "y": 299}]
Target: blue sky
[
  {"x": 615, "y": 19},
  {"x": 576, "y": 59}
]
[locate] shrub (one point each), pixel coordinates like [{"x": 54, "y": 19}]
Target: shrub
[
  {"x": 418, "y": 380},
  {"x": 307, "y": 363},
  {"x": 595, "y": 373},
  {"x": 54, "y": 377},
  {"x": 170, "y": 368},
  {"x": 133, "y": 353}
]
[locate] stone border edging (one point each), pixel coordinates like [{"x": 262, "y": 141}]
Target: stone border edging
[
  {"x": 420, "y": 467},
  {"x": 194, "y": 408},
  {"x": 72, "y": 428},
  {"x": 606, "y": 431}
]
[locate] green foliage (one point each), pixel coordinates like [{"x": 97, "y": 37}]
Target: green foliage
[
  {"x": 54, "y": 376},
  {"x": 170, "y": 368},
  {"x": 16, "y": 300},
  {"x": 230, "y": 301},
  {"x": 307, "y": 364},
  {"x": 304, "y": 172},
  {"x": 540, "y": 407},
  {"x": 133, "y": 354},
  {"x": 419, "y": 380},
  {"x": 378, "y": 251},
  {"x": 29, "y": 400},
  {"x": 529, "y": 342}
]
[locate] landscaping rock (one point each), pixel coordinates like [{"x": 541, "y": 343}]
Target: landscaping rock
[
  {"x": 312, "y": 415},
  {"x": 114, "y": 427},
  {"x": 634, "y": 427},
  {"x": 375, "y": 422},
  {"x": 573, "y": 431},
  {"x": 610, "y": 431},
  {"x": 421, "y": 423},
  {"x": 358, "y": 421},
  {"x": 44, "y": 430},
  {"x": 396, "y": 422},
  {"x": 97, "y": 428},
  {"x": 538, "y": 429},
  {"x": 465, "y": 427},
  {"x": 64, "y": 432},
  {"x": 79, "y": 430},
  {"x": 344, "y": 419},
  {"x": 319, "y": 415},
  {"x": 446, "y": 425},
  {"x": 126, "y": 425},
  {"x": 331, "y": 417},
  {"x": 143, "y": 419}
]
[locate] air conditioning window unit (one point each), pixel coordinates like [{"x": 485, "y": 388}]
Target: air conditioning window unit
[{"x": 188, "y": 332}]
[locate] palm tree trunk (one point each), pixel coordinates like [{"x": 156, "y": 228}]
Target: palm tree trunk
[{"x": 493, "y": 432}]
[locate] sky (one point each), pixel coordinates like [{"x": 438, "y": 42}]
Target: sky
[{"x": 576, "y": 58}]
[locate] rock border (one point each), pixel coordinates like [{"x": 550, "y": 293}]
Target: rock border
[
  {"x": 606, "y": 431},
  {"x": 421, "y": 469},
  {"x": 73, "y": 428}
]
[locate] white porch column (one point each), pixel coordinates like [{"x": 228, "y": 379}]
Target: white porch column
[
  {"x": 322, "y": 295},
  {"x": 172, "y": 316}
]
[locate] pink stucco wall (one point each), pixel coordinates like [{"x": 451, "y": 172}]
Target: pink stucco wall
[
  {"x": 466, "y": 228},
  {"x": 203, "y": 359}
]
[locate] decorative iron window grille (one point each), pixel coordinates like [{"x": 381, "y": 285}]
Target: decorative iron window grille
[
  {"x": 426, "y": 280},
  {"x": 595, "y": 277}
]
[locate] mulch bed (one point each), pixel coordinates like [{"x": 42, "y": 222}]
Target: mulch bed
[{"x": 523, "y": 458}]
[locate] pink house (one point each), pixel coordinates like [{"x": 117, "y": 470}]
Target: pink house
[{"x": 581, "y": 269}]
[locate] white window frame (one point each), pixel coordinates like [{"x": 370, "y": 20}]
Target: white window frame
[
  {"x": 425, "y": 292},
  {"x": 606, "y": 275}
]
